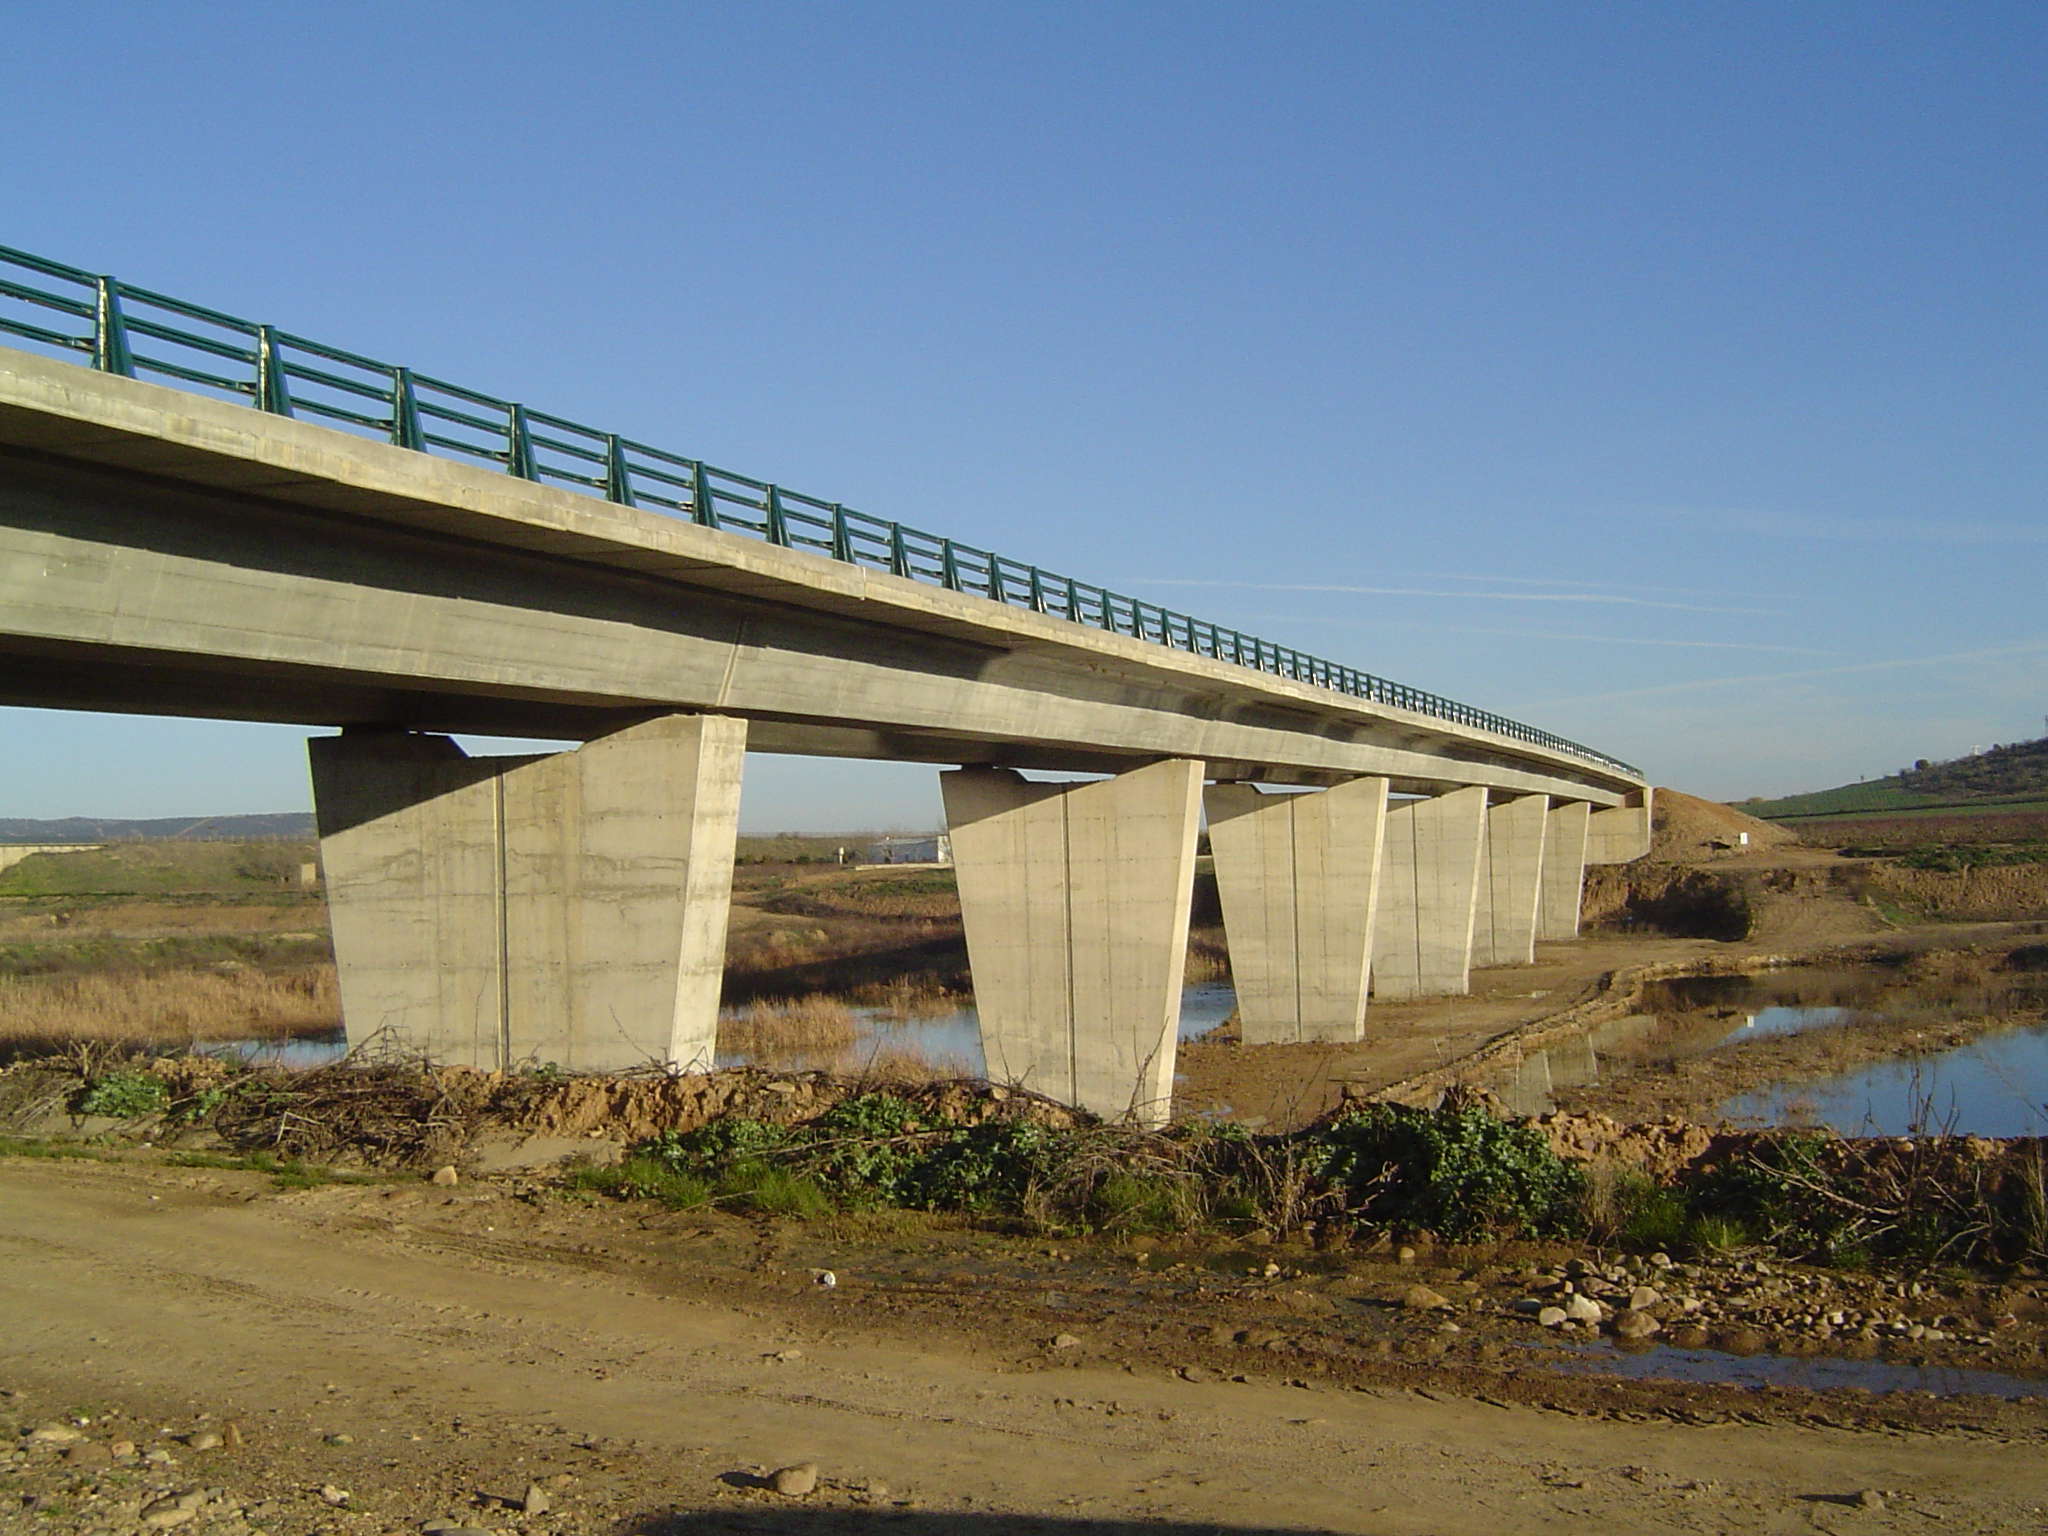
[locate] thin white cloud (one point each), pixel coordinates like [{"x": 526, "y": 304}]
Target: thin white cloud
[
  {"x": 1608, "y": 599},
  {"x": 1569, "y": 583},
  {"x": 1544, "y": 634},
  {"x": 1862, "y": 530},
  {"x": 1987, "y": 653}
]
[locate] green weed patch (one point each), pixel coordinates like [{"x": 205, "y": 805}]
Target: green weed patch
[{"x": 1458, "y": 1172}]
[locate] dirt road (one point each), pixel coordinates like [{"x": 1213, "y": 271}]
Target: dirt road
[{"x": 418, "y": 1353}]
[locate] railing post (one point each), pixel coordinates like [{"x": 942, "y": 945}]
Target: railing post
[
  {"x": 519, "y": 455},
  {"x": 778, "y": 521},
  {"x": 618, "y": 475},
  {"x": 273, "y": 393},
  {"x": 842, "y": 536},
  {"x": 995, "y": 578},
  {"x": 899, "y": 552},
  {"x": 949, "y": 567},
  {"x": 405, "y": 412},
  {"x": 1037, "y": 590},
  {"x": 703, "y": 505},
  {"x": 110, "y": 352}
]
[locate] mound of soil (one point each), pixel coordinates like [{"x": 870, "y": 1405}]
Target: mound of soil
[{"x": 1685, "y": 828}]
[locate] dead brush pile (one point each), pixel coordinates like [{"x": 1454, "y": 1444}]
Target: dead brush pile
[{"x": 403, "y": 1115}]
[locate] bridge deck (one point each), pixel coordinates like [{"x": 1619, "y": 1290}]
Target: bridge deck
[{"x": 154, "y": 543}]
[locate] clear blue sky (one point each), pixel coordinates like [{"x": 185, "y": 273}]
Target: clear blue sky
[{"x": 1669, "y": 376}]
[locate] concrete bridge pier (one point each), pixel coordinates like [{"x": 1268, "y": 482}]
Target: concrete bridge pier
[
  {"x": 567, "y": 908},
  {"x": 1075, "y": 899},
  {"x": 1510, "y": 881},
  {"x": 1428, "y": 895},
  {"x": 1296, "y": 876},
  {"x": 1564, "y": 870}
]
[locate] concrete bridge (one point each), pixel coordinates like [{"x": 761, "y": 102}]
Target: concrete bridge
[{"x": 422, "y": 559}]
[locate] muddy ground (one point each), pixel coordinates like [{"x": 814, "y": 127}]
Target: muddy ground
[
  {"x": 391, "y": 1356},
  {"x": 196, "y": 1349}
]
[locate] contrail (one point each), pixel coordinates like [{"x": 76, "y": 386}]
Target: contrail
[{"x": 1602, "y": 598}]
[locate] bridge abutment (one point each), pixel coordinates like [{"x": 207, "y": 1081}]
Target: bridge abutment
[
  {"x": 1621, "y": 833},
  {"x": 1428, "y": 896},
  {"x": 568, "y": 908},
  {"x": 1510, "y": 881},
  {"x": 1297, "y": 877},
  {"x": 1075, "y": 899}
]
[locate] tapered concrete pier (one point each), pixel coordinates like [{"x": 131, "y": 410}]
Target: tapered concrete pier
[
  {"x": 1296, "y": 873},
  {"x": 1428, "y": 896},
  {"x": 567, "y": 909},
  {"x": 1075, "y": 899},
  {"x": 1564, "y": 871},
  {"x": 1510, "y": 881}
]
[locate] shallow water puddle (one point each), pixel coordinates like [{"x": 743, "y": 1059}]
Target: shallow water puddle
[
  {"x": 1994, "y": 1086},
  {"x": 1820, "y": 1373}
]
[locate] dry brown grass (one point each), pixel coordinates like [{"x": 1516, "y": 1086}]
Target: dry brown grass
[
  {"x": 1997, "y": 891},
  {"x": 821, "y": 1033},
  {"x": 911, "y": 997},
  {"x": 1208, "y": 957},
  {"x": 783, "y": 1028},
  {"x": 165, "y": 1008},
  {"x": 904, "y": 1062}
]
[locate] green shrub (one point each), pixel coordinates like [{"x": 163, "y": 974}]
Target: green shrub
[
  {"x": 1456, "y": 1171},
  {"x": 1125, "y": 1202},
  {"x": 1714, "y": 1236},
  {"x": 988, "y": 1169},
  {"x": 867, "y": 1150},
  {"x": 123, "y": 1095},
  {"x": 770, "y": 1191},
  {"x": 644, "y": 1178}
]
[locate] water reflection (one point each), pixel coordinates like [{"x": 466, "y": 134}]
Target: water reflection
[
  {"x": 302, "y": 1051},
  {"x": 950, "y": 1042},
  {"x": 1995, "y": 1086}
]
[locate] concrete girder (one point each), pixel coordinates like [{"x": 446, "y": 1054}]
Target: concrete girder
[{"x": 163, "y": 552}]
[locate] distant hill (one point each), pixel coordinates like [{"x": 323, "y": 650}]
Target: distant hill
[
  {"x": 110, "y": 829},
  {"x": 2015, "y": 774}
]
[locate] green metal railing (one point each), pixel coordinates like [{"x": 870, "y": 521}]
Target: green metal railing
[{"x": 135, "y": 333}]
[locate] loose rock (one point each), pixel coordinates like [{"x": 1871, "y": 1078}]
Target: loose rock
[
  {"x": 795, "y": 1482},
  {"x": 1634, "y": 1323}
]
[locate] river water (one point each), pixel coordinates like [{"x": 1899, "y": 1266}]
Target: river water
[
  {"x": 1995, "y": 1086},
  {"x": 951, "y": 1041}
]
